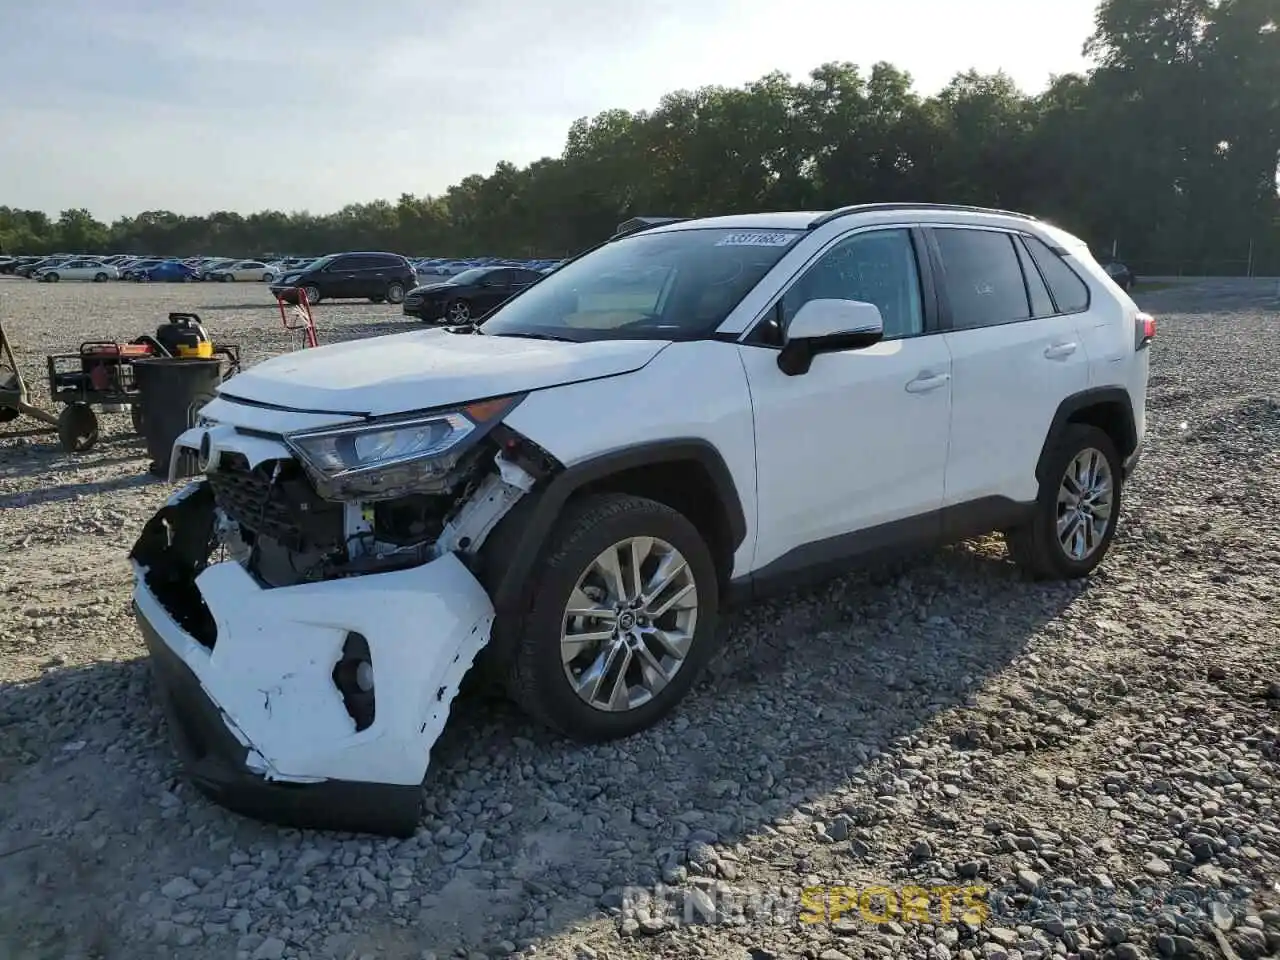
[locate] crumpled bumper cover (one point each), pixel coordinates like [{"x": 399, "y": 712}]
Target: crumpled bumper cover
[{"x": 245, "y": 674}]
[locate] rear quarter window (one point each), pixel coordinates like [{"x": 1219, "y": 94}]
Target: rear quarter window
[{"x": 1069, "y": 292}]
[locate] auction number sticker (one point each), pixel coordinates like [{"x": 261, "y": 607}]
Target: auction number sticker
[{"x": 757, "y": 240}]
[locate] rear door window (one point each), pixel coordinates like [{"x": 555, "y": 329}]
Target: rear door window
[{"x": 982, "y": 278}]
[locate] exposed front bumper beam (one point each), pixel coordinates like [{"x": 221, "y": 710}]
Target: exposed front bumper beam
[{"x": 246, "y": 674}]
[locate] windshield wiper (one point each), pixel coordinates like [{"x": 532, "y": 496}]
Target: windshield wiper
[
  {"x": 471, "y": 327},
  {"x": 537, "y": 336}
]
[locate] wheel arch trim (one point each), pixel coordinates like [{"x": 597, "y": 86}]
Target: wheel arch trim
[
  {"x": 530, "y": 522},
  {"x": 1074, "y": 404}
]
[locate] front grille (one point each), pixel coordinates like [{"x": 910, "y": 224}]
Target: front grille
[
  {"x": 288, "y": 511},
  {"x": 412, "y": 302}
]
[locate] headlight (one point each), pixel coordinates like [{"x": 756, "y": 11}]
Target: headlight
[
  {"x": 292, "y": 278},
  {"x": 388, "y": 458}
]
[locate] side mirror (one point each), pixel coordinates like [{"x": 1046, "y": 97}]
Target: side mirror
[{"x": 827, "y": 326}]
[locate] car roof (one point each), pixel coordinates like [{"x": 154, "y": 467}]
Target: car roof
[{"x": 874, "y": 212}]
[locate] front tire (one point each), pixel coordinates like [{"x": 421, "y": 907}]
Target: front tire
[
  {"x": 457, "y": 311},
  {"x": 395, "y": 292},
  {"x": 312, "y": 294},
  {"x": 621, "y": 620},
  {"x": 51, "y": 278},
  {"x": 99, "y": 278},
  {"x": 1076, "y": 511}
]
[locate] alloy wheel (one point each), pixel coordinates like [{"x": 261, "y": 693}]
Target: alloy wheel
[
  {"x": 1085, "y": 498},
  {"x": 629, "y": 624}
]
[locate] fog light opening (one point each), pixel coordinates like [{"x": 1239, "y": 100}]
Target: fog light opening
[{"x": 353, "y": 676}]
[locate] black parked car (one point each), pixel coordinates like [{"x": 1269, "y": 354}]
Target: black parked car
[
  {"x": 1119, "y": 272},
  {"x": 349, "y": 276},
  {"x": 468, "y": 296}
]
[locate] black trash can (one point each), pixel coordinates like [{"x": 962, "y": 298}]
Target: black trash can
[{"x": 171, "y": 391}]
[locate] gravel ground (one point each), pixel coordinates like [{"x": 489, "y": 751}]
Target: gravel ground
[{"x": 1102, "y": 758}]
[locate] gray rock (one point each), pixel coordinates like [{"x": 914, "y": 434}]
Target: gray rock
[
  {"x": 271, "y": 948},
  {"x": 178, "y": 888}
]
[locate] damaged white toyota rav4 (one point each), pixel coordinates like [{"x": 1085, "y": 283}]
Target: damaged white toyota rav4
[{"x": 691, "y": 412}]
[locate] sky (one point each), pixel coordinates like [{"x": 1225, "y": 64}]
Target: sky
[{"x": 122, "y": 106}]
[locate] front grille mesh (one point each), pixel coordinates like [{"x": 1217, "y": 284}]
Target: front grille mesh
[{"x": 288, "y": 511}]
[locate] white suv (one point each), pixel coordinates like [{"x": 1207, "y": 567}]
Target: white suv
[{"x": 693, "y": 411}]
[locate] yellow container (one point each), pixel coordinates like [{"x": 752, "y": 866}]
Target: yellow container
[{"x": 202, "y": 349}]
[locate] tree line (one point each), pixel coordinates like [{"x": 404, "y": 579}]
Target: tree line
[{"x": 1167, "y": 149}]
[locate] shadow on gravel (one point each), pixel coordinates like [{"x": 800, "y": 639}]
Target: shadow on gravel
[
  {"x": 525, "y": 830},
  {"x": 32, "y": 432},
  {"x": 38, "y": 460},
  {"x": 71, "y": 491}
]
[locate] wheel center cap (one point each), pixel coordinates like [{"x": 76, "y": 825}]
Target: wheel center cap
[{"x": 626, "y": 620}]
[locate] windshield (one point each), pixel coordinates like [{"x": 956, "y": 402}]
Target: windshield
[
  {"x": 468, "y": 276},
  {"x": 676, "y": 285}
]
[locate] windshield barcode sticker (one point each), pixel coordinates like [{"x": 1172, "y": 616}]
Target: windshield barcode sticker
[{"x": 756, "y": 240}]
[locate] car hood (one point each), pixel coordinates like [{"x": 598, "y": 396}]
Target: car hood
[
  {"x": 428, "y": 368},
  {"x": 428, "y": 287}
]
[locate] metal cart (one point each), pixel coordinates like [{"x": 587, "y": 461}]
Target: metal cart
[
  {"x": 101, "y": 374},
  {"x": 15, "y": 401}
]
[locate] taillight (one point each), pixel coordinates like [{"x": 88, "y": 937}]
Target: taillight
[{"x": 1144, "y": 330}]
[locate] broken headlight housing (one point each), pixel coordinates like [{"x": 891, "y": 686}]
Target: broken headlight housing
[{"x": 392, "y": 456}]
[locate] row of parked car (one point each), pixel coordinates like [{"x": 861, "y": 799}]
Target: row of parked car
[{"x": 52, "y": 269}]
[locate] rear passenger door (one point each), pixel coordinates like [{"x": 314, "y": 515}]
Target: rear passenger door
[
  {"x": 368, "y": 276},
  {"x": 1016, "y": 355},
  {"x": 378, "y": 272}
]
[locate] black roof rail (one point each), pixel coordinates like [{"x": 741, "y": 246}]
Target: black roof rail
[
  {"x": 877, "y": 207},
  {"x": 636, "y": 224}
]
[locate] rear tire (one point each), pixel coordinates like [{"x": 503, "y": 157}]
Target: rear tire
[
  {"x": 1061, "y": 542},
  {"x": 546, "y": 682}
]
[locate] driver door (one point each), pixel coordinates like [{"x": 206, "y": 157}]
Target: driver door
[
  {"x": 852, "y": 454},
  {"x": 342, "y": 278},
  {"x": 494, "y": 288}
]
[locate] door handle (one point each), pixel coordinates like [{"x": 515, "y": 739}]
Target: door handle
[
  {"x": 927, "y": 381},
  {"x": 1060, "y": 351}
]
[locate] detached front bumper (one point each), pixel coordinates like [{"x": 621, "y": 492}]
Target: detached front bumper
[{"x": 248, "y": 676}]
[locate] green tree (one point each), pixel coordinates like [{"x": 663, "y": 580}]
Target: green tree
[{"x": 1169, "y": 146}]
